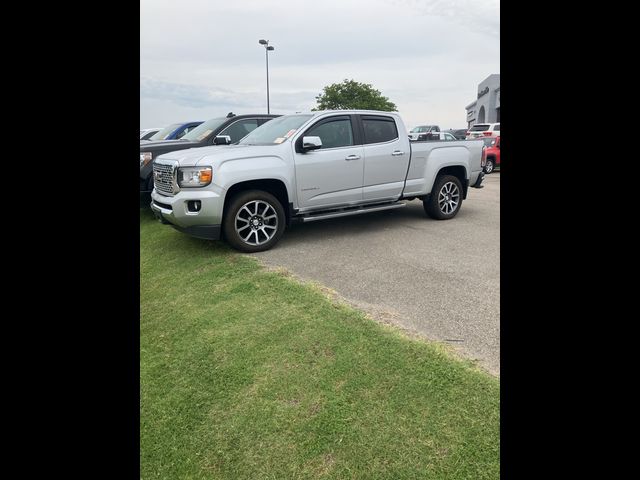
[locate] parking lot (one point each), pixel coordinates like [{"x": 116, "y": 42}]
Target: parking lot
[{"x": 440, "y": 279}]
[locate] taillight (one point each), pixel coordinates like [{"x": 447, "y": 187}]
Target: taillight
[
  {"x": 483, "y": 158},
  {"x": 486, "y": 134}
]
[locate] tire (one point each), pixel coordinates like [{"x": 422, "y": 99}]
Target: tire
[
  {"x": 258, "y": 213},
  {"x": 488, "y": 168},
  {"x": 445, "y": 199}
]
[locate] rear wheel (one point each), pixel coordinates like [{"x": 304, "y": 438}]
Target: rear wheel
[
  {"x": 445, "y": 199},
  {"x": 488, "y": 168},
  {"x": 254, "y": 221}
]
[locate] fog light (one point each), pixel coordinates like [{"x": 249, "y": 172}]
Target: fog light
[{"x": 193, "y": 206}]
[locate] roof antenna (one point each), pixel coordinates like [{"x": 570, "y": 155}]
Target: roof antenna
[{"x": 231, "y": 114}]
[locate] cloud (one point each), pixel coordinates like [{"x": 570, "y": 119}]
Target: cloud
[
  {"x": 201, "y": 58},
  {"x": 191, "y": 95},
  {"x": 213, "y": 101},
  {"x": 482, "y": 17}
]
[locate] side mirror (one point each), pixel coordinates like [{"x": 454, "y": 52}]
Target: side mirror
[
  {"x": 222, "y": 140},
  {"x": 311, "y": 143}
]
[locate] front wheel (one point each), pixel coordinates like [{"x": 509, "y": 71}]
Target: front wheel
[
  {"x": 445, "y": 199},
  {"x": 488, "y": 168},
  {"x": 254, "y": 221}
]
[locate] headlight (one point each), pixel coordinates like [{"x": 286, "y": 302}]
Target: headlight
[
  {"x": 194, "y": 176},
  {"x": 145, "y": 157}
]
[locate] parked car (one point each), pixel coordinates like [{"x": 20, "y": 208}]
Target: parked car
[
  {"x": 309, "y": 167},
  {"x": 492, "y": 152},
  {"x": 175, "y": 131},
  {"x": 231, "y": 129},
  {"x": 421, "y": 132},
  {"x": 148, "y": 133},
  {"x": 483, "y": 130},
  {"x": 435, "y": 136},
  {"x": 460, "y": 133}
]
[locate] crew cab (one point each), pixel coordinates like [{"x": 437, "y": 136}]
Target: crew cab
[
  {"x": 229, "y": 129},
  {"x": 422, "y": 132},
  {"x": 492, "y": 153},
  {"x": 309, "y": 167}
]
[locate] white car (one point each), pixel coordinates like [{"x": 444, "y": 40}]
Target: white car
[
  {"x": 483, "y": 130},
  {"x": 147, "y": 133}
]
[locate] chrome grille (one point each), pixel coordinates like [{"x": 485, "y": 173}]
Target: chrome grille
[{"x": 164, "y": 178}]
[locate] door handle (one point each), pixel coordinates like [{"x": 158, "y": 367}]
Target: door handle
[
  {"x": 352, "y": 157},
  {"x": 397, "y": 153}
]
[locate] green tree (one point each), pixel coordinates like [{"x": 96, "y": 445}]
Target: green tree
[{"x": 350, "y": 94}]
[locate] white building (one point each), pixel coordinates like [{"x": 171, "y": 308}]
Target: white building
[{"x": 486, "y": 108}]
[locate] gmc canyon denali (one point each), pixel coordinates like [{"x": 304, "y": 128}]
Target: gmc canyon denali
[{"x": 308, "y": 167}]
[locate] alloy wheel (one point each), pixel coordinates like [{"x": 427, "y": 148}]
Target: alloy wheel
[
  {"x": 256, "y": 222},
  {"x": 449, "y": 198}
]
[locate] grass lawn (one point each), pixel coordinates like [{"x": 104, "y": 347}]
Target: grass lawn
[{"x": 248, "y": 374}]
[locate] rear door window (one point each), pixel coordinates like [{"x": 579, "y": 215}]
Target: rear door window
[{"x": 379, "y": 129}]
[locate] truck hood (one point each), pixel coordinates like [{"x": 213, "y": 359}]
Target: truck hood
[{"x": 215, "y": 155}]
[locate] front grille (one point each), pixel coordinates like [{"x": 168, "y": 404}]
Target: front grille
[{"x": 163, "y": 178}]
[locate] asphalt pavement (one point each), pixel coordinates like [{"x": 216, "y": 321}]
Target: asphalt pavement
[{"x": 440, "y": 279}]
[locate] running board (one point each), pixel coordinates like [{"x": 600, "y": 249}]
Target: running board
[{"x": 355, "y": 211}]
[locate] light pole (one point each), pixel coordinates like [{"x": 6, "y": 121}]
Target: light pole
[{"x": 267, "y": 49}]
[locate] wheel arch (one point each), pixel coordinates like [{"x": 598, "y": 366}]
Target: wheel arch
[
  {"x": 458, "y": 171},
  {"x": 274, "y": 186}
]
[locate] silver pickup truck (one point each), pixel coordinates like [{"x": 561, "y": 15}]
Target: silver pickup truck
[{"x": 308, "y": 167}]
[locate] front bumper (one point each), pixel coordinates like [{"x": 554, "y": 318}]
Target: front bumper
[{"x": 204, "y": 223}]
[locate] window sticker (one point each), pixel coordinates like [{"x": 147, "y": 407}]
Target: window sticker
[
  {"x": 290, "y": 132},
  {"x": 206, "y": 132},
  {"x": 279, "y": 140}
]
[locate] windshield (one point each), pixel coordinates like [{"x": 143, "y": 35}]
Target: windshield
[
  {"x": 203, "y": 130},
  {"x": 165, "y": 132},
  {"x": 421, "y": 129},
  {"x": 275, "y": 131},
  {"x": 489, "y": 141},
  {"x": 480, "y": 128}
]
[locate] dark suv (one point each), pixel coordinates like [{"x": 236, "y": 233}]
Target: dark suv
[
  {"x": 230, "y": 129},
  {"x": 460, "y": 134}
]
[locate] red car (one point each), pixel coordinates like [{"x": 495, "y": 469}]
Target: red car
[{"x": 492, "y": 151}]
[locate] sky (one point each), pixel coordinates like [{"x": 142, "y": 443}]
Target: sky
[{"x": 200, "y": 59}]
